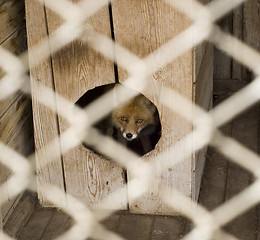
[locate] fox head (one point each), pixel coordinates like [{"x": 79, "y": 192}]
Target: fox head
[{"x": 133, "y": 116}]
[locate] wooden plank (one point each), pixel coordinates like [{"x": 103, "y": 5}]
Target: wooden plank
[
  {"x": 8, "y": 207},
  {"x": 136, "y": 227},
  {"x": 222, "y": 62},
  {"x": 204, "y": 80},
  {"x": 258, "y": 207},
  {"x": 59, "y": 224},
  {"x": 244, "y": 130},
  {"x": 16, "y": 132},
  {"x": 112, "y": 222},
  {"x": 88, "y": 177},
  {"x": 37, "y": 223},
  {"x": 15, "y": 126},
  {"x": 169, "y": 228},
  {"x": 20, "y": 215},
  {"x": 142, "y": 27},
  {"x": 251, "y": 30},
  {"x": 16, "y": 44},
  {"x": 213, "y": 181},
  {"x": 11, "y": 17},
  {"x": 45, "y": 120},
  {"x": 226, "y": 88},
  {"x": 213, "y": 185},
  {"x": 13, "y": 38},
  {"x": 199, "y": 51},
  {"x": 7, "y": 103},
  {"x": 202, "y": 95},
  {"x": 237, "y": 32},
  {"x": 258, "y": 225}
]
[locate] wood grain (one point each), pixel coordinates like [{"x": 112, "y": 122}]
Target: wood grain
[
  {"x": 16, "y": 131},
  {"x": 149, "y": 26},
  {"x": 213, "y": 186},
  {"x": 11, "y": 17},
  {"x": 223, "y": 62},
  {"x": 16, "y": 44},
  {"x": 45, "y": 120},
  {"x": 15, "y": 111},
  {"x": 38, "y": 222},
  {"x": 170, "y": 228},
  {"x": 244, "y": 226},
  {"x": 135, "y": 227},
  {"x": 59, "y": 224},
  {"x": 202, "y": 94},
  {"x": 77, "y": 68},
  {"x": 238, "y": 32},
  {"x": 251, "y": 30},
  {"x": 152, "y": 24},
  {"x": 20, "y": 216}
]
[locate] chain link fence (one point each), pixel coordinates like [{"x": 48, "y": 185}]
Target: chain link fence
[{"x": 207, "y": 224}]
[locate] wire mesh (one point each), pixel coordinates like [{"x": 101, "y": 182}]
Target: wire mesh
[{"x": 207, "y": 224}]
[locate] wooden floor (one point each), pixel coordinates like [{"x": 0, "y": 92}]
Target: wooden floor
[{"x": 221, "y": 181}]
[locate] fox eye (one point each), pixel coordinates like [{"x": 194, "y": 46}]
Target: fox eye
[
  {"x": 139, "y": 120},
  {"x": 124, "y": 119}
]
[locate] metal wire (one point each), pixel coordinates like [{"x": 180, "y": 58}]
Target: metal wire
[{"x": 207, "y": 225}]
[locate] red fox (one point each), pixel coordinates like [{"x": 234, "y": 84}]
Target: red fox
[
  {"x": 137, "y": 122},
  {"x": 133, "y": 117}
]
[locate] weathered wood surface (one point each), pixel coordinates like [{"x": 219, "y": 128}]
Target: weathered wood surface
[
  {"x": 85, "y": 174},
  {"x": 150, "y": 29},
  {"x": 76, "y": 69},
  {"x": 45, "y": 120},
  {"x": 242, "y": 23},
  {"x": 237, "y": 69},
  {"x": 213, "y": 185},
  {"x": 244, "y": 226},
  {"x": 38, "y": 222},
  {"x": 222, "y": 61},
  {"x": 21, "y": 215},
  {"x": 251, "y": 29},
  {"x": 221, "y": 180},
  {"x": 168, "y": 228},
  {"x": 202, "y": 96},
  {"x": 59, "y": 222},
  {"x": 15, "y": 111},
  {"x": 15, "y": 132},
  {"x": 11, "y": 17},
  {"x": 135, "y": 227},
  {"x": 16, "y": 44}
]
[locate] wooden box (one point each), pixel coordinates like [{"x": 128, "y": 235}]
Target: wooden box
[{"x": 140, "y": 26}]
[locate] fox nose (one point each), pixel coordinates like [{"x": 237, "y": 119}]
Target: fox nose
[{"x": 129, "y": 135}]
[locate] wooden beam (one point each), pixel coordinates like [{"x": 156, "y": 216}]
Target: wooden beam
[
  {"x": 45, "y": 120},
  {"x": 142, "y": 27}
]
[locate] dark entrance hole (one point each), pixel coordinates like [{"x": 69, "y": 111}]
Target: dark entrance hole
[{"x": 135, "y": 124}]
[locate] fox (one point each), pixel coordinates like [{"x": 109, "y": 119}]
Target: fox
[{"x": 136, "y": 124}]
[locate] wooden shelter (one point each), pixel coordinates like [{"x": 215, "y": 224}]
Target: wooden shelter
[{"x": 141, "y": 27}]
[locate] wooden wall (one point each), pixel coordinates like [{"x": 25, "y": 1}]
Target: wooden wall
[
  {"x": 15, "y": 112},
  {"x": 242, "y": 23},
  {"x": 140, "y": 27}
]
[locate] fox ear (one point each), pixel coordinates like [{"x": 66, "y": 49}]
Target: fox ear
[
  {"x": 121, "y": 94},
  {"x": 148, "y": 104},
  {"x": 117, "y": 94}
]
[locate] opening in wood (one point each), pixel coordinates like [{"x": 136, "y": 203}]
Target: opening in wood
[{"x": 135, "y": 123}]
